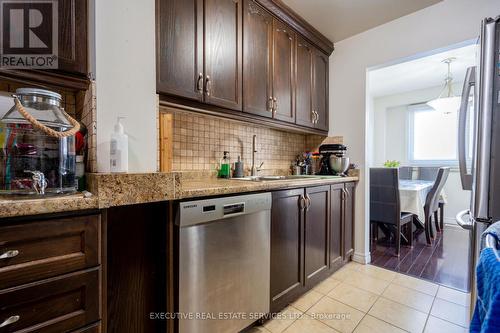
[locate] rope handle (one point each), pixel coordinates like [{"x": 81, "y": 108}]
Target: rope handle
[{"x": 47, "y": 130}]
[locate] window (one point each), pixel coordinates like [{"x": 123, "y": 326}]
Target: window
[{"x": 433, "y": 136}]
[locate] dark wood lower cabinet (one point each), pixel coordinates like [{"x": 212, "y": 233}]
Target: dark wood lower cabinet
[
  {"x": 317, "y": 220},
  {"x": 348, "y": 221},
  {"x": 50, "y": 273},
  {"x": 311, "y": 237},
  {"x": 60, "y": 304},
  {"x": 287, "y": 248},
  {"x": 336, "y": 217}
]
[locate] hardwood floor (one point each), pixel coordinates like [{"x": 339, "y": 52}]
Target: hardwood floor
[{"x": 446, "y": 262}]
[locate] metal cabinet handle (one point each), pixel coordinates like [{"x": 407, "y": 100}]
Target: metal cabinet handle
[
  {"x": 275, "y": 105},
  {"x": 317, "y": 117},
  {"x": 208, "y": 85},
  {"x": 9, "y": 321},
  {"x": 9, "y": 254},
  {"x": 344, "y": 194},
  {"x": 270, "y": 107},
  {"x": 199, "y": 83},
  {"x": 302, "y": 203},
  {"x": 308, "y": 200}
]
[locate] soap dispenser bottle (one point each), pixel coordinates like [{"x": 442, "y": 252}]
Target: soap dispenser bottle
[
  {"x": 225, "y": 166},
  {"x": 119, "y": 149}
]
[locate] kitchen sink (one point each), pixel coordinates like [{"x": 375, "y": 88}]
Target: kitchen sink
[{"x": 281, "y": 178}]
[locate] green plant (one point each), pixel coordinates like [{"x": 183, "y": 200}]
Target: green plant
[{"x": 392, "y": 164}]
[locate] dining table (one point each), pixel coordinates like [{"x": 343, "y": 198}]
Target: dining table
[{"x": 412, "y": 195}]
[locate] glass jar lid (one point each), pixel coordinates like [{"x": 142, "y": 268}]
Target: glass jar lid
[{"x": 43, "y": 105}]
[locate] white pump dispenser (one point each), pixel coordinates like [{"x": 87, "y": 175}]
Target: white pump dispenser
[{"x": 119, "y": 149}]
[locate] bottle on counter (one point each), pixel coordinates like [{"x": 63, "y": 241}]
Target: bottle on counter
[
  {"x": 225, "y": 166},
  {"x": 238, "y": 168}
]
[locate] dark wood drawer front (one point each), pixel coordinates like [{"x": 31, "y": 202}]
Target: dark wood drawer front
[
  {"x": 56, "y": 305},
  {"x": 36, "y": 250}
]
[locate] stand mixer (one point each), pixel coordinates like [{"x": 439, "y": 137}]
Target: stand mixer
[{"x": 333, "y": 161}]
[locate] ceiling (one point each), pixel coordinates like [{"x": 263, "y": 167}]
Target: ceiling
[
  {"x": 340, "y": 19},
  {"x": 421, "y": 73}
]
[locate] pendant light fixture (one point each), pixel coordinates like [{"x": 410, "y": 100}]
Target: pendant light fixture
[{"x": 446, "y": 102}]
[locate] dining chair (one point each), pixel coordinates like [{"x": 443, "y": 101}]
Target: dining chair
[
  {"x": 406, "y": 172},
  {"x": 432, "y": 202},
  {"x": 430, "y": 174},
  {"x": 385, "y": 205},
  {"x": 427, "y": 173}
]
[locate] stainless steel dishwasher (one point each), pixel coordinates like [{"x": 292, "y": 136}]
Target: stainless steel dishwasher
[{"x": 224, "y": 263}]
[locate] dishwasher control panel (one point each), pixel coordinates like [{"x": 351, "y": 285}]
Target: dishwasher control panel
[{"x": 202, "y": 211}]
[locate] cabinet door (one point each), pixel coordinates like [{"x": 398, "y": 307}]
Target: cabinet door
[
  {"x": 303, "y": 86},
  {"x": 257, "y": 59},
  {"x": 223, "y": 44},
  {"x": 336, "y": 214},
  {"x": 72, "y": 50},
  {"x": 283, "y": 71},
  {"x": 287, "y": 225},
  {"x": 320, "y": 95},
  {"x": 317, "y": 220},
  {"x": 179, "y": 49},
  {"x": 348, "y": 233}
]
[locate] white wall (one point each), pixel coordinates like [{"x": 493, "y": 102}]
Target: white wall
[
  {"x": 391, "y": 141},
  {"x": 125, "y": 79},
  {"x": 446, "y": 23}
]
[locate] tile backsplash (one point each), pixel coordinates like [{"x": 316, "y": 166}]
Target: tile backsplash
[{"x": 200, "y": 140}]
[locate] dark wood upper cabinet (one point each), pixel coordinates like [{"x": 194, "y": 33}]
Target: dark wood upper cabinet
[
  {"x": 253, "y": 56},
  {"x": 336, "y": 216},
  {"x": 257, "y": 59},
  {"x": 223, "y": 53},
  {"x": 320, "y": 90},
  {"x": 180, "y": 48},
  {"x": 287, "y": 223},
  {"x": 304, "y": 86},
  {"x": 283, "y": 71},
  {"x": 348, "y": 226},
  {"x": 73, "y": 40},
  {"x": 317, "y": 220}
]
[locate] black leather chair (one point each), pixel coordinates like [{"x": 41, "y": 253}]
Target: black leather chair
[
  {"x": 432, "y": 202},
  {"x": 406, "y": 172},
  {"x": 430, "y": 174},
  {"x": 385, "y": 205},
  {"x": 427, "y": 173}
]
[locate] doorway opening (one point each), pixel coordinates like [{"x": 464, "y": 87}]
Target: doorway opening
[{"x": 414, "y": 188}]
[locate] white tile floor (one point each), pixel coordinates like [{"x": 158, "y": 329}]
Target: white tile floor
[{"x": 368, "y": 299}]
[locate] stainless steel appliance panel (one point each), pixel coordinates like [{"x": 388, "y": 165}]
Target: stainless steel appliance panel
[
  {"x": 224, "y": 263},
  {"x": 485, "y": 91}
]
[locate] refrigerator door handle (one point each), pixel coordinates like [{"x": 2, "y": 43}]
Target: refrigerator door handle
[
  {"x": 470, "y": 81},
  {"x": 461, "y": 222}
]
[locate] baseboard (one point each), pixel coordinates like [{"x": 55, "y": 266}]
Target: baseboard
[{"x": 362, "y": 258}]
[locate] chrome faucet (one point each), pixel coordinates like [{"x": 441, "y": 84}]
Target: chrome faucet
[
  {"x": 39, "y": 183},
  {"x": 254, "y": 150}
]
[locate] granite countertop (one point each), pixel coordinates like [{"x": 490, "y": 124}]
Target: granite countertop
[
  {"x": 111, "y": 190},
  {"x": 55, "y": 204},
  {"x": 210, "y": 187}
]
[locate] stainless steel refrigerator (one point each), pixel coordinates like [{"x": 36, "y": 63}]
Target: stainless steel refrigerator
[{"x": 481, "y": 104}]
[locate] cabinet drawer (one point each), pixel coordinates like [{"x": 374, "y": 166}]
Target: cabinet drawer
[
  {"x": 31, "y": 251},
  {"x": 56, "y": 305}
]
